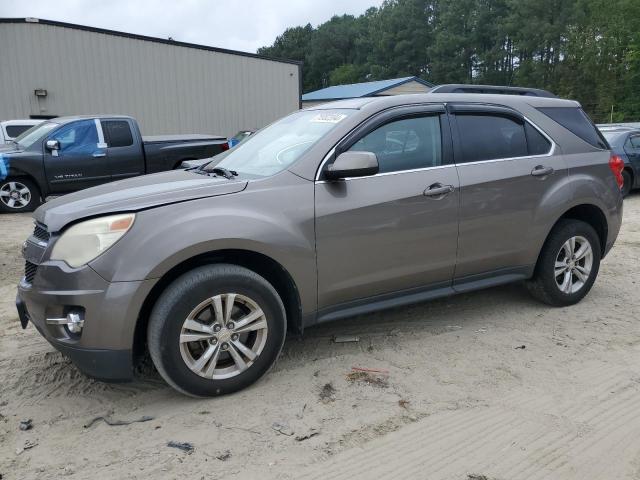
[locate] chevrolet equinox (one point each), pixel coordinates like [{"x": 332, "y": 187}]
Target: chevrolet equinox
[{"x": 334, "y": 211}]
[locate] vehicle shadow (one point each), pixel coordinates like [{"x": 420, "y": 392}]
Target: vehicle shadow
[{"x": 377, "y": 331}]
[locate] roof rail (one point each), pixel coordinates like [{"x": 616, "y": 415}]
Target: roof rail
[{"x": 491, "y": 89}]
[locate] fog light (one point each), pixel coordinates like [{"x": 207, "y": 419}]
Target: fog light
[{"x": 73, "y": 321}]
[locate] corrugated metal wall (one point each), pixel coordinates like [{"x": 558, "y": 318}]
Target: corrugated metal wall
[{"x": 168, "y": 88}]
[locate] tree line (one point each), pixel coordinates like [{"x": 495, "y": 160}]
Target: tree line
[{"x": 588, "y": 50}]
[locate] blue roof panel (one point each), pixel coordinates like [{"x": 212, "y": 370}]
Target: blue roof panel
[{"x": 356, "y": 90}]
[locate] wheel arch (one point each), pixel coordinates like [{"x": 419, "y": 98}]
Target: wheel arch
[
  {"x": 590, "y": 214},
  {"x": 259, "y": 263},
  {"x": 15, "y": 174}
]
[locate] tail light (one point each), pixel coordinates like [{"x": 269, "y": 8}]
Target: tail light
[
  {"x": 616, "y": 164},
  {"x": 225, "y": 146}
]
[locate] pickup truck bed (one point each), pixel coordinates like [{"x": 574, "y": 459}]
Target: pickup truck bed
[{"x": 166, "y": 152}]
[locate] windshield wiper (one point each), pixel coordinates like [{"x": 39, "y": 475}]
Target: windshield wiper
[{"x": 228, "y": 174}]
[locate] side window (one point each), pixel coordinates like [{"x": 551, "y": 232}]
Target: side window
[
  {"x": 405, "y": 144},
  {"x": 635, "y": 143},
  {"x": 536, "y": 142},
  {"x": 117, "y": 133},
  {"x": 490, "y": 137},
  {"x": 78, "y": 138},
  {"x": 16, "y": 130}
]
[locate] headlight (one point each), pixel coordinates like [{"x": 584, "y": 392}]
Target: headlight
[{"x": 86, "y": 240}]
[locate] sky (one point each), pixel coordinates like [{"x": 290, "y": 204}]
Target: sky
[{"x": 238, "y": 25}]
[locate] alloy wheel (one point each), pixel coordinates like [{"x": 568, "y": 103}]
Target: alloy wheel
[
  {"x": 15, "y": 195},
  {"x": 223, "y": 336},
  {"x": 573, "y": 265}
]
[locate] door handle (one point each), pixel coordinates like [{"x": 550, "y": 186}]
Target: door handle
[
  {"x": 438, "y": 190},
  {"x": 541, "y": 171},
  {"x": 99, "y": 154}
]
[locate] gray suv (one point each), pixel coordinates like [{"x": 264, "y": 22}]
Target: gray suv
[{"x": 340, "y": 210}]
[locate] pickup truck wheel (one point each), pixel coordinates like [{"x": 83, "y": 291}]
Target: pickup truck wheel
[
  {"x": 19, "y": 195},
  {"x": 215, "y": 330},
  {"x": 568, "y": 264}
]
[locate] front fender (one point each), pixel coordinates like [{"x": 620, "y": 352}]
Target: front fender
[{"x": 277, "y": 223}]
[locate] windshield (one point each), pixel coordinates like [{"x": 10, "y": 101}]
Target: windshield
[
  {"x": 35, "y": 134},
  {"x": 277, "y": 146}
]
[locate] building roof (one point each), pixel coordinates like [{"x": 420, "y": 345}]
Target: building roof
[
  {"x": 144, "y": 37},
  {"x": 357, "y": 90}
]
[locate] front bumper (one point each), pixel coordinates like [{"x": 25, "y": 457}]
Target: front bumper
[{"x": 104, "y": 347}]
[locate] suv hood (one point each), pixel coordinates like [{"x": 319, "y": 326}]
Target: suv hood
[{"x": 134, "y": 194}]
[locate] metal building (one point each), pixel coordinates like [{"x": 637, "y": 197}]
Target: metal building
[
  {"x": 53, "y": 69},
  {"x": 394, "y": 86}
]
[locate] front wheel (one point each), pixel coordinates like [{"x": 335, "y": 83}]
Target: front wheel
[
  {"x": 216, "y": 329},
  {"x": 568, "y": 264},
  {"x": 19, "y": 195}
]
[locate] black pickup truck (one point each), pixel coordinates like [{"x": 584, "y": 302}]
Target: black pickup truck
[{"x": 71, "y": 153}]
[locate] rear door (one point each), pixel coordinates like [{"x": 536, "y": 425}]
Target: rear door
[
  {"x": 388, "y": 233},
  {"x": 506, "y": 166},
  {"x": 124, "y": 151},
  {"x": 81, "y": 161},
  {"x": 632, "y": 149}
]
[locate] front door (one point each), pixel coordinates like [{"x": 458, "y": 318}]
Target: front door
[
  {"x": 397, "y": 230},
  {"x": 81, "y": 160},
  {"x": 507, "y": 169}
]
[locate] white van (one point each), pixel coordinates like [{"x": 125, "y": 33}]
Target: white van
[{"x": 10, "y": 129}]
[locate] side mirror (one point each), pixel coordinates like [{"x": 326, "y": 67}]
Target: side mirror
[
  {"x": 353, "y": 164},
  {"x": 52, "y": 145}
]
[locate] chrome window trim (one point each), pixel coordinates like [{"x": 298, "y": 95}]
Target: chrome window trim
[
  {"x": 384, "y": 174},
  {"x": 507, "y": 159},
  {"x": 550, "y": 153}
]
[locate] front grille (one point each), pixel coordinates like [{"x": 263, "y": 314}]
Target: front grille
[
  {"x": 40, "y": 232},
  {"x": 29, "y": 271}
]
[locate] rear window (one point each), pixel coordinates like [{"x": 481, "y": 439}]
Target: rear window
[
  {"x": 14, "y": 131},
  {"x": 576, "y": 121},
  {"x": 117, "y": 133}
]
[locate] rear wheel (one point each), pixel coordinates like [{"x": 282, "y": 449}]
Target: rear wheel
[
  {"x": 19, "y": 195},
  {"x": 568, "y": 264},
  {"x": 628, "y": 181},
  {"x": 216, "y": 329}
]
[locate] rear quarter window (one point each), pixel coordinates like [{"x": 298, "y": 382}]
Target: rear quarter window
[
  {"x": 576, "y": 121},
  {"x": 118, "y": 133}
]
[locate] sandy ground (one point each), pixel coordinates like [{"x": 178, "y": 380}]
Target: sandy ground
[{"x": 460, "y": 399}]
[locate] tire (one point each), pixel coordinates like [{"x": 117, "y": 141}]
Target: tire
[
  {"x": 545, "y": 286},
  {"x": 183, "y": 364},
  {"x": 628, "y": 182},
  {"x": 19, "y": 194}
]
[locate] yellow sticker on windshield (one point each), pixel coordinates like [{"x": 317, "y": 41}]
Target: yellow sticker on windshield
[{"x": 327, "y": 117}]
